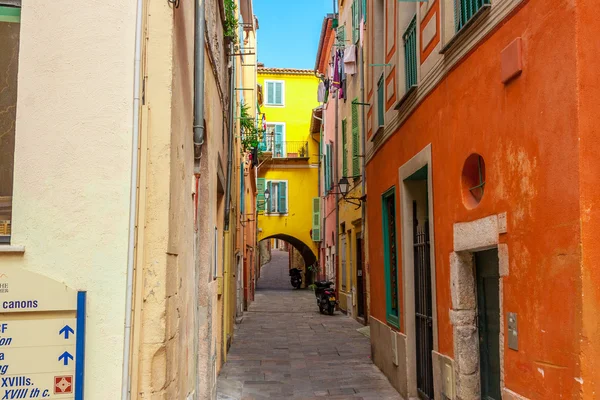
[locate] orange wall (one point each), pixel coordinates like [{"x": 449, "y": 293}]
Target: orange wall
[
  {"x": 527, "y": 133},
  {"x": 588, "y": 54}
]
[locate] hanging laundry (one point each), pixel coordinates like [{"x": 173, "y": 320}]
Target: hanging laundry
[
  {"x": 342, "y": 91},
  {"x": 336, "y": 72},
  {"x": 350, "y": 60},
  {"x": 326, "y": 90},
  {"x": 321, "y": 92}
]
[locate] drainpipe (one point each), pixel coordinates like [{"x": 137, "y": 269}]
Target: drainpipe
[
  {"x": 198, "y": 130},
  {"x": 227, "y": 245},
  {"x": 137, "y": 73},
  {"x": 364, "y": 157},
  {"x": 337, "y": 198},
  {"x": 199, "y": 73}
]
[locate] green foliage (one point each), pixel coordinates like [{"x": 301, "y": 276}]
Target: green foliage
[
  {"x": 231, "y": 21},
  {"x": 312, "y": 287},
  {"x": 314, "y": 268},
  {"x": 250, "y": 134}
]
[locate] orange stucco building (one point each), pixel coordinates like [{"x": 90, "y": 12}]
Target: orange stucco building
[{"x": 482, "y": 197}]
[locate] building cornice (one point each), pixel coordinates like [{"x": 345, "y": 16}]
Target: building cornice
[{"x": 454, "y": 53}]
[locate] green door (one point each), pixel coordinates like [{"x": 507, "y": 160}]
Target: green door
[{"x": 488, "y": 309}]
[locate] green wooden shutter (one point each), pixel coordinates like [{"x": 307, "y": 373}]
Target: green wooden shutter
[
  {"x": 380, "y": 102},
  {"x": 329, "y": 166},
  {"x": 341, "y": 34},
  {"x": 282, "y": 194},
  {"x": 278, "y": 93},
  {"x": 354, "y": 21},
  {"x": 260, "y": 197},
  {"x": 271, "y": 197},
  {"x": 326, "y": 169},
  {"x": 355, "y": 141},
  {"x": 242, "y": 190},
  {"x": 316, "y": 223},
  {"x": 344, "y": 149}
]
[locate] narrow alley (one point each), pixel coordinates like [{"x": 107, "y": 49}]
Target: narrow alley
[{"x": 284, "y": 348}]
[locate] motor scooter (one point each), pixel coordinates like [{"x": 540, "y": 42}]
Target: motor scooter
[
  {"x": 296, "y": 278},
  {"x": 325, "y": 297}
]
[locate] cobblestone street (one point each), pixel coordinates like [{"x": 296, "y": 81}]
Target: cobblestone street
[{"x": 284, "y": 348}]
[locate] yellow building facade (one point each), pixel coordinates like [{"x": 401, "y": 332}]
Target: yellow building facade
[{"x": 289, "y": 168}]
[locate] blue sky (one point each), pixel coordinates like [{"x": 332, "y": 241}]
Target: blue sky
[{"x": 289, "y": 31}]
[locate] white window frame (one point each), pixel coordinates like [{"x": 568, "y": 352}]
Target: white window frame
[
  {"x": 267, "y": 104},
  {"x": 272, "y": 149},
  {"x": 287, "y": 197}
]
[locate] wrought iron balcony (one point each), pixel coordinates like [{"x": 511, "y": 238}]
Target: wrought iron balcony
[{"x": 283, "y": 149}]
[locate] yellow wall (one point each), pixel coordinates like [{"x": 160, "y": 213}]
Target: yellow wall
[
  {"x": 300, "y": 98},
  {"x": 302, "y": 188}
]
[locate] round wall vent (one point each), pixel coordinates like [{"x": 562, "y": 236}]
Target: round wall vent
[{"x": 473, "y": 180}]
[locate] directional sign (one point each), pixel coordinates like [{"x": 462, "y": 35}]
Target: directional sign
[
  {"x": 42, "y": 331},
  {"x": 66, "y": 330}
]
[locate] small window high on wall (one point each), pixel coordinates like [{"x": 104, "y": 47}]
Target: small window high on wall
[
  {"x": 275, "y": 93},
  {"x": 10, "y": 18}
]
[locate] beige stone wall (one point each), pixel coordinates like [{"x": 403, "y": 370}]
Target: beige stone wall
[{"x": 176, "y": 254}]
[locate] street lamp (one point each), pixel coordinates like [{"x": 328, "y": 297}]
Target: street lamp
[
  {"x": 343, "y": 185},
  {"x": 267, "y": 194}
]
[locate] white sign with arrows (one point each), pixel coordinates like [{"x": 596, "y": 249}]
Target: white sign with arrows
[{"x": 38, "y": 337}]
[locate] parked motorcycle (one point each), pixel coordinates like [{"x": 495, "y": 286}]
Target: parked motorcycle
[
  {"x": 296, "y": 277},
  {"x": 325, "y": 297}
]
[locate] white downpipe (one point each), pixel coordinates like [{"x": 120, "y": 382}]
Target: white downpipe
[{"x": 137, "y": 73}]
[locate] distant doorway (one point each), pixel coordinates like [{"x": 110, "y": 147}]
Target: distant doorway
[
  {"x": 488, "y": 322},
  {"x": 360, "y": 279}
]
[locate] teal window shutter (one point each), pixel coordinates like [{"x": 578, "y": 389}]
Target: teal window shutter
[
  {"x": 354, "y": 21},
  {"x": 316, "y": 223},
  {"x": 260, "y": 197},
  {"x": 364, "y": 10},
  {"x": 282, "y": 192},
  {"x": 271, "y": 197},
  {"x": 278, "y": 93},
  {"x": 464, "y": 10},
  {"x": 390, "y": 255},
  {"x": 279, "y": 151},
  {"x": 326, "y": 169},
  {"x": 380, "y": 102},
  {"x": 344, "y": 149},
  {"x": 270, "y": 92},
  {"x": 355, "y": 140},
  {"x": 410, "y": 54},
  {"x": 329, "y": 167},
  {"x": 242, "y": 190}
]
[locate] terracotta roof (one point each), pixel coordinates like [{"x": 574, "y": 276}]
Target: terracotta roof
[{"x": 285, "y": 71}]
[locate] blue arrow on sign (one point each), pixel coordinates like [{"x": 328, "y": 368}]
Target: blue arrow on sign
[
  {"x": 66, "y": 330},
  {"x": 64, "y": 357}
]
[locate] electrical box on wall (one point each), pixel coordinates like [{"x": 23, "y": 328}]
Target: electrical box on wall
[
  {"x": 394, "y": 340},
  {"x": 448, "y": 381},
  {"x": 513, "y": 331}
]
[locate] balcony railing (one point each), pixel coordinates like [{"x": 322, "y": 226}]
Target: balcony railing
[{"x": 284, "y": 149}]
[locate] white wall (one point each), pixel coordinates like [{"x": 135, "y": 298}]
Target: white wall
[{"x": 72, "y": 163}]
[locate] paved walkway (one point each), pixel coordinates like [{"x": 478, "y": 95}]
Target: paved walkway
[{"x": 285, "y": 349}]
